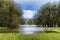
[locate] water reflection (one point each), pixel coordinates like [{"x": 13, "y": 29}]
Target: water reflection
[{"x": 30, "y": 29}]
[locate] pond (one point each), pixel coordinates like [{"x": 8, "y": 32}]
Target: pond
[{"x": 30, "y": 29}]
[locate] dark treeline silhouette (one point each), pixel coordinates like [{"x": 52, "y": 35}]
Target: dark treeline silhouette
[{"x": 48, "y": 15}]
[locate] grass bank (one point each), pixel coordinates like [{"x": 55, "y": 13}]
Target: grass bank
[{"x": 38, "y": 36}]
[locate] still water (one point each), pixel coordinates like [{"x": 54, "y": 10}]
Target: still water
[{"x": 30, "y": 29}]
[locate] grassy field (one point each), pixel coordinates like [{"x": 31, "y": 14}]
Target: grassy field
[
  {"x": 50, "y": 34},
  {"x": 38, "y": 36}
]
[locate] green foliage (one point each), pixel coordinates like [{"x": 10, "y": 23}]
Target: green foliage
[
  {"x": 22, "y": 21},
  {"x": 29, "y": 22},
  {"x": 49, "y": 15},
  {"x": 9, "y": 14}
]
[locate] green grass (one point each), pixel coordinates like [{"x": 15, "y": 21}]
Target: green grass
[
  {"x": 50, "y": 35},
  {"x": 7, "y": 30},
  {"x": 52, "y": 29},
  {"x": 3, "y": 28},
  {"x": 39, "y": 36}
]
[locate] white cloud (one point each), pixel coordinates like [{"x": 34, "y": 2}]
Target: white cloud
[{"x": 28, "y": 14}]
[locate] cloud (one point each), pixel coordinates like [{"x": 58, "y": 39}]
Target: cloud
[
  {"x": 28, "y": 14},
  {"x": 28, "y": 6}
]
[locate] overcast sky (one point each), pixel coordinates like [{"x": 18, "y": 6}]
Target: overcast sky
[{"x": 29, "y": 7}]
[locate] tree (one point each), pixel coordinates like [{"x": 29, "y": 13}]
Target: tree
[
  {"x": 29, "y": 22},
  {"x": 10, "y": 14},
  {"x": 44, "y": 15},
  {"x": 58, "y": 14},
  {"x": 48, "y": 15}
]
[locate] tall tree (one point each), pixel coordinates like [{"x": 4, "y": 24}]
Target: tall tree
[
  {"x": 10, "y": 14},
  {"x": 49, "y": 15}
]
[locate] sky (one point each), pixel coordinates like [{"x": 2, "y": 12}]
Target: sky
[
  {"x": 28, "y": 14},
  {"x": 30, "y": 7}
]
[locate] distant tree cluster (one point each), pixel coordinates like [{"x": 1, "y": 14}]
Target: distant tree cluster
[
  {"x": 48, "y": 15},
  {"x": 10, "y": 14},
  {"x": 29, "y": 22}
]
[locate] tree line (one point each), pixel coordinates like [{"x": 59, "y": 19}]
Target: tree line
[
  {"x": 11, "y": 15},
  {"x": 48, "y": 15}
]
